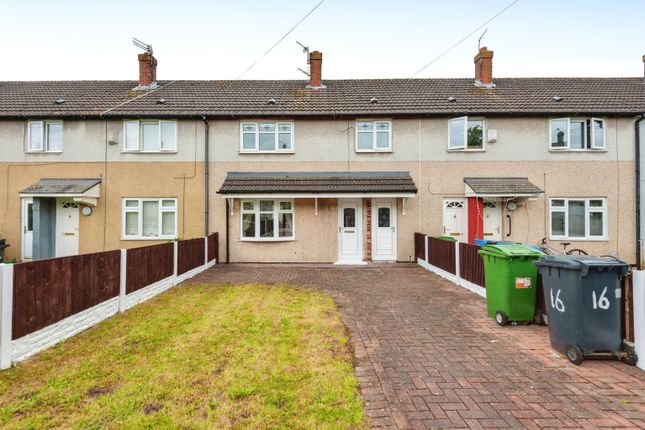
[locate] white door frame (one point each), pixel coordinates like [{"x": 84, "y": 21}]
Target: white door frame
[
  {"x": 23, "y": 225},
  {"x": 464, "y": 202},
  {"x": 59, "y": 245},
  {"x": 358, "y": 259},
  {"x": 498, "y": 212},
  {"x": 394, "y": 226}
]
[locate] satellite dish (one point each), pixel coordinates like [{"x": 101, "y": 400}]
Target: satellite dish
[{"x": 511, "y": 206}]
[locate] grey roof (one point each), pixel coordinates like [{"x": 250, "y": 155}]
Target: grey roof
[
  {"x": 317, "y": 182},
  {"x": 352, "y": 97},
  {"x": 502, "y": 186},
  {"x": 61, "y": 186}
]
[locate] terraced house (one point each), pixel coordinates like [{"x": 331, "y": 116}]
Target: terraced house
[{"x": 321, "y": 170}]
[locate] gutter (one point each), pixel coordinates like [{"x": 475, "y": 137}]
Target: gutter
[
  {"x": 638, "y": 189},
  {"x": 206, "y": 188}
]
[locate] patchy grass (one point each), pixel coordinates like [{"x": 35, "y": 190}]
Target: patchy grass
[{"x": 196, "y": 357}]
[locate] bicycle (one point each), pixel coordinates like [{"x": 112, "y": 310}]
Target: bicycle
[{"x": 552, "y": 251}]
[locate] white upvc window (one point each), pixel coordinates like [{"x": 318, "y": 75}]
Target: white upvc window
[
  {"x": 267, "y": 220},
  {"x": 576, "y": 133},
  {"x": 266, "y": 137},
  {"x": 45, "y": 136},
  {"x": 373, "y": 136},
  {"x": 149, "y": 218},
  {"x": 466, "y": 134},
  {"x": 578, "y": 218},
  {"x": 150, "y": 136}
]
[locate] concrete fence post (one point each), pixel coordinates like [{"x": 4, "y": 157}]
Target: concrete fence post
[
  {"x": 457, "y": 268},
  {"x": 205, "y": 252},
  {"x": 639, "y": 316},
  {"x": 426, "y": 248},
  {"x": 123, "y": 279},
  {"x": 6, "y": 317},
  {"x": 175, "y": 261}
]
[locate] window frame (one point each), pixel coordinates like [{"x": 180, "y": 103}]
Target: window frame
[
  {"x": 276, "y": 220},
  {"x": 139, "y": 210},
  {"x": 589, "y": 135},
  {"x": 374, "y": 132},
  {"x": 464, "y": 146},
  {"x": 44, "y": 137},
  {"x": 139, "y": 143},
  {"x": 588, "y": 211},
  {"x": 276, "y": 150}
]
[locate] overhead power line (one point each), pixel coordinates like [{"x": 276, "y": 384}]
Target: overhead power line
[
  {"x": 281, "y": 39},
  {"x": 464, "y": 39}
]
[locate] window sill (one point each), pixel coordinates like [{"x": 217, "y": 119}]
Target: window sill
[
  {"x": 43, "y": 152},
  {"x": 579, "y": 239},
  {"x": 155, "y": 238},
  {"x": 281, "y": 239},
  {"x": 553, "y": 150},
  {"x": 373, "y": 151},
  {"x": 267, "y": 152},
  {"x": 132, "y": 151},
  {"x": 466, "y": 150}
]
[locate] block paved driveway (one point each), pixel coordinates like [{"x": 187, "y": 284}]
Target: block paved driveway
[{"x": 428, "y": 357}]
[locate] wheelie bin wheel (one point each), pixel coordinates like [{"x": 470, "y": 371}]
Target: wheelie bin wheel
[
  {"x": 574, "y": 354},
  {"x": 538, "y": 319},
  {"x": 501, "y": 318}
]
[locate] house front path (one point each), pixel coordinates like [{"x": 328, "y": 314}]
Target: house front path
[{"x": 428, "y": 357}]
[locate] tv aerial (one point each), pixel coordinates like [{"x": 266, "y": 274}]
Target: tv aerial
[
  {"x": 139, "y": 44},
  {"x": 305, "y": 50},
  {"x": 479, "y": 41}
]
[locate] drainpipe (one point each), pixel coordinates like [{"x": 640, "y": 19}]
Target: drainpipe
[
  {"x": 227, "y": 242},
  {"x": 206, "y": 191},
  {"x": 638, "y": 190}
]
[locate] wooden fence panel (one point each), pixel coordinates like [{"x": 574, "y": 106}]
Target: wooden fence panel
[
  {"x": 628, "y": 308},
  {"x": 47, "y": 291},
  {"x": 441, "y": 253},
  {"x": 191, "y": 254},
  {"x": 419, "y": 246},
  {"x": 213, "y": 247},
  {"x": 147, "y": 265},
  {"x": 471, "y": 264}
]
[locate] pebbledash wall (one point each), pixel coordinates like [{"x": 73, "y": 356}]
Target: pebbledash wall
[
  {"x": 87, "y": 154},
  {"x": 420, "y": 147},
  {"x": 15, "y": 350}
]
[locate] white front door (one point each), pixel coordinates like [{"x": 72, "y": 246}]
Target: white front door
[
  {"x": 455, "y": 219},
  {"x": 66, "y": 227},
  {"x": 350, "y": 232},
  {"x": 384, "y": 230},
  {"x": 27, "y": 228},
  {"x": 492, "y": 220}
]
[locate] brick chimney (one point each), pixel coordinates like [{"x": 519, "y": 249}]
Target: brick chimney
[
  {"x": 484, "y": 68},
  {"x": 315, "y": 70},
  {"x": 147, "y": 71}
]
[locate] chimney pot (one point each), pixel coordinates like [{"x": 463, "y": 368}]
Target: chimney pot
[
  {"x": 315, "y": 70},
  {"x": 484, "y": 68},
  {"x": 147, "y": 70}
]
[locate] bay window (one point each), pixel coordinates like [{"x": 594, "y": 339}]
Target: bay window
[
  {"x": 576, "y": 133},
  {"x": 145, "y": 218},
  {"x": 149, "y": 136},
  {"x": 267, "y": 220},
  {"x": 578, "y": 219}
]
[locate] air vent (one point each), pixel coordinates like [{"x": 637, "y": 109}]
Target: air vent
[
  {"x": 452, "y": 99},
  {"x": 59, "y": 101},
  {"x": 557, "y": 98}
]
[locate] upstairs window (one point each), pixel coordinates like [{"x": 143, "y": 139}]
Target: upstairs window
[
  {"x": 266, "y": 137},
  {"x": 150, "y": 136},
  {"x": 578, "y": 219},
  {"x": 466, "y": 134},
  {"x": 45, "y": 136},
  {"x": 577, "y": 134},
  {"x": 373, "y": 136},
  {"x": 267, "y": 220}
]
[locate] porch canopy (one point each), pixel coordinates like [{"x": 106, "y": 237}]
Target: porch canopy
[
  {"x": 502, "y": 187},
  {"x": 318, "y": 185},
  {"x": 86, "y": 191}
]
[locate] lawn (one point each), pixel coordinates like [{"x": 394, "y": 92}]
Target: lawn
[{"x": 223, "y": 356}]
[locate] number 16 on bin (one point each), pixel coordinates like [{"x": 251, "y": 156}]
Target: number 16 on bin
[
  {"x": 556, "y": 302},
  {"x": 601, "y": 302}
]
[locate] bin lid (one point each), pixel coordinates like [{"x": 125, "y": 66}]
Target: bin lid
[
  {"x": 582, "y": 263},
  {"x": 510, "y": 251}
]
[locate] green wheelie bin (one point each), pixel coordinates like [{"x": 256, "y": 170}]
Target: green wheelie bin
[{"x": 511, "y": 281}]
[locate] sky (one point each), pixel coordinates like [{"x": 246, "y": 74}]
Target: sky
[{"x": 65, "y": 39}]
